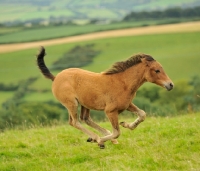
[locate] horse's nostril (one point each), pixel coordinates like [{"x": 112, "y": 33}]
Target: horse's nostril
[{"x": 171, "y": 85}]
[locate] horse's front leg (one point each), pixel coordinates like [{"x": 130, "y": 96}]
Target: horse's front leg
[
  {"x": 113, "y": 117},
  {"x": 141, "y": 117}
]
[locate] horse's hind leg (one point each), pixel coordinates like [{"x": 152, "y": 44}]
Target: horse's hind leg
[
  {"x": 141, "y": 117},
  {"x": 85, "y": 116},
  {"x": 73, "y": 119}
]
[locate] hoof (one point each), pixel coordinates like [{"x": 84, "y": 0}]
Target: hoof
[
  {"x": 89, "y": 140},
  {"x": 101, "y": 146},
  {"x": 122, "y": 124},
  {"x": 114, "y": 141},
  {"x": 125, "y": 125}
]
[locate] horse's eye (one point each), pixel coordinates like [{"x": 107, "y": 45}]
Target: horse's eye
[{"x": 157, "y": 71}]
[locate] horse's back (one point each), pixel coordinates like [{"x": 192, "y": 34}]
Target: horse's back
[
  {"x": 75, "y": 83},
  {"x": 73, "y": 77}
]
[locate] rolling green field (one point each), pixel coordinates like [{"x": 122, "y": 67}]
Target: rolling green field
[
  {"x": 177, "y": 52},
  {"x": 6, "y": 30},
  {"x": 157, "y": 144},
  {"x": 44, "y": 33},
  {"x": 160, "y": 143},
  {"x": 16, "y": 35}
]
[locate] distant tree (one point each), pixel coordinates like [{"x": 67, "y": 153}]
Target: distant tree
[
  {"x": 175, "y": 12},
  {"x": 151, "y": 93},
  {"x": 78, "y": 56},
  {"x": 172, "y": 13},
  {"x": 176, "y": 97},
  {"x": 193, "y": 98},
  {"x": 31, "y": 114},
  {"x": 9, "y": 87}
]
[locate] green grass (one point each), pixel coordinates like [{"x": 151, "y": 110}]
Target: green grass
[
  {"x": 46, "y": 96},
  {"x": 5, "y": 95},
  {"x": 51, "y": 32},
  {"x": 157, "y": 144},
  {"x": 6, "y": 30},
  {"x": 177, "y": 52},
  {"x": 20, "y": 34}
]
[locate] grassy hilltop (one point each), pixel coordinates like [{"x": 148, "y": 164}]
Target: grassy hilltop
[
  {"x": 157, "y": 144},
  {"x": 34, "y": 132}
]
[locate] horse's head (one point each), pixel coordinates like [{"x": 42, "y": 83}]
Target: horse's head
[{"x": 156, "y": 74}]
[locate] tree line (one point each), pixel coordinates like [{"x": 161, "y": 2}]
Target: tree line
[
  {"x": 77, "y": 57},
  {"x": 176, "y": 12}
]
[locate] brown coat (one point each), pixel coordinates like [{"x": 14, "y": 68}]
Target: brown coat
[{"x": 111, "y": 91}]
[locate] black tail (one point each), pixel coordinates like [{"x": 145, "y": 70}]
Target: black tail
[{"x": 40, "y": 62}]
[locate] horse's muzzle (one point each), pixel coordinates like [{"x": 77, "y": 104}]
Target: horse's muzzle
[{"x": 169, "y": 86}]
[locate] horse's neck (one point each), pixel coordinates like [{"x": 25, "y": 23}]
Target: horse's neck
[{"x": 133, "y": 77}]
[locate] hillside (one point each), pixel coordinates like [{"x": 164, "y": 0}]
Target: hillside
[
  {"x": 81, "y": 9},
  {"x": 28, "y": 35},
  {"x": 26, "y": 96},
  {"x": 157, "y": 144},
  {"x": 18, "y": 61}
]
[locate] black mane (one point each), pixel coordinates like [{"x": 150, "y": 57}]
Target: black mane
[{"x": 123, "y": 65}]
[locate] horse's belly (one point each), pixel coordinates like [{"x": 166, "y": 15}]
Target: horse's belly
[{"x": 92, "y": 102}]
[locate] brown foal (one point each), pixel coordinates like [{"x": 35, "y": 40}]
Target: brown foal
[{"x": 111, "y": 91}]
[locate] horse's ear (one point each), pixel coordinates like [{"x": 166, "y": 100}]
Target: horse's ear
[
  {"x": 148, "y": 63},
  {"x": 145, "y": 61}
]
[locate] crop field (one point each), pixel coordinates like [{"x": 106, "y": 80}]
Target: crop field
[
  {"x": 157, "y": 144},
  {"x": 177, "y": 52}
]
